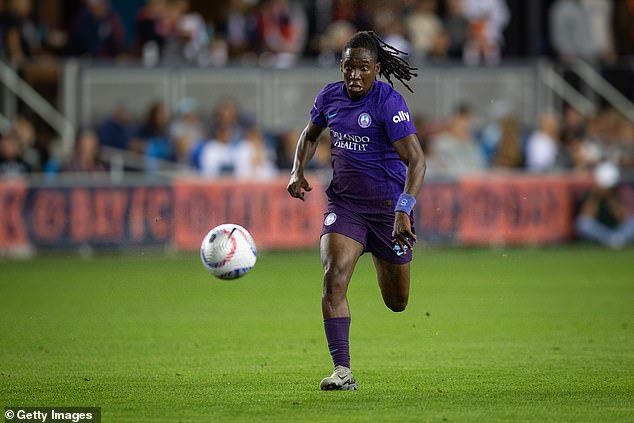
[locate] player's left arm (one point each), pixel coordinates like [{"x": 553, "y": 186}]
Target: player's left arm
[{"x": 411, "y": 153}]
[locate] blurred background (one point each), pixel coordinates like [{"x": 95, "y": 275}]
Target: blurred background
[{"x": 129, "y": 123}]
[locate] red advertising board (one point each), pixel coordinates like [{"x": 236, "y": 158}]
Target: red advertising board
[
  {"x": 13, "y": 229},
  {"x": 273, "y": 218},
  {"x": 527, "y": 210},
  {"x": 488, "y": 210}
]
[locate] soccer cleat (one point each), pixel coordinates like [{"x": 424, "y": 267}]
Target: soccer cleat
[{"x": 340, "y": 380}]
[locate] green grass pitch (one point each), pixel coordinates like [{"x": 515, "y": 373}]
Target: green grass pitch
[{"x": 531, "y": 335}]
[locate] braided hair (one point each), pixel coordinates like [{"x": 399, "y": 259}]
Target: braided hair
[{"x": 391, "y": 63}]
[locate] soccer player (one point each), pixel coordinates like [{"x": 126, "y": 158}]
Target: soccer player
[{"x": 378, "y": 170}]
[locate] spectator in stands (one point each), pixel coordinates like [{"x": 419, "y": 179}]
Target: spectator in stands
[
  {"x": 173, "y": 41},
  {"x": 221, "y": 157},
  {"x": 618, "y": 141},
  {"x": 241, "y": 29},
  {"x": 185, "y": 130},
  {"x": 24, "y": 42},
  {"x": 593, "y": 138},
  {"x": 600, "y": 13},
  {"x": 153, "y": 125},
  {"x": 196, "y": 48},
  {"x": 457, "y": 26},
  {"x": 424, "y": 27},
  {"x": 227, "y": 114},
  {"x": 12, "y": 163},
  {"x": 20, "y": 36},
  {"x": 98, "y": 32},
  {"x": 229, "y": 119},
  {"x": 32, "y": 149},
  {"x": 115, "y": 131},
  {"x": 614, "y": 133},
  {"x": 353, "y": 11},
  {"x": 508, "y": 152},
  {"x": 542, "y": 147},
  {"x": 573, "y": 122},
  {"x": 490, "y": 135},
  {"x": 283, "y": 30},
  {"x": 332, "y": 42},
  {"x": 150, "y": 31},
  {"x": 580, "y": 151},
  {"x": 439, "y": 52},
  {"x": 261, "y": 165},
  {"x": 603, "y": 217},
  {"x": 392, "y": 31},
  {"x": 575, "y": 154},
  {"x": 152, "y": 137},
  {"x": 570, "y": 33},
  {"x": 455, "y": 152},
  {"x": 85, "y": 158},
  {"x": 487, "y": 20}
]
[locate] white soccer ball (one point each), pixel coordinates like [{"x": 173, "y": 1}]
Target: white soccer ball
[{"x": 228, "y": 251}]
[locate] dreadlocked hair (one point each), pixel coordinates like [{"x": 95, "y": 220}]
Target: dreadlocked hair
[{"x": 388, "y": 56}]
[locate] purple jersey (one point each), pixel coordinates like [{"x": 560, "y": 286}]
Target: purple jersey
[{"x": 368, "y": 174}]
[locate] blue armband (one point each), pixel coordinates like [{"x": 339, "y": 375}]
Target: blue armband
[{"x": 405, "y": 203}]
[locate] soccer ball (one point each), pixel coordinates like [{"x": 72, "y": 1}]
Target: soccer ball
[{"x": 228, "y": 251}]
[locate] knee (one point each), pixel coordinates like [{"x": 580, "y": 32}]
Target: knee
[{"x": 397, "y": 305}]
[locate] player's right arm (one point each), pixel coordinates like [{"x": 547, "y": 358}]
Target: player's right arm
[{"x": 306, "y": 147}]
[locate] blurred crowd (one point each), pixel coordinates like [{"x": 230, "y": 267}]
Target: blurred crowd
[
  {"x": 279, "y": 33},
  {"x": 572, "y": 142},
  {"x": 230, "y": 143}
]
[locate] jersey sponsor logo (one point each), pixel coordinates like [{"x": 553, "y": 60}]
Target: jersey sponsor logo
[
  {"x": 331, "y": 115},
  {"x": 349, "y": 141},
  {"x": 401, "y": 116},
  {"x": 330, "y": 219},
  {"x": 364, "y": 120}
]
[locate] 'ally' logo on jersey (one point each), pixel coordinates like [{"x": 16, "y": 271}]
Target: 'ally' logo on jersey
[
  {"x": 364, "y": 120},
  {"x": 401, "y": 116}
]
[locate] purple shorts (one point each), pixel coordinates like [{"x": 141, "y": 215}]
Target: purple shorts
[{"x": 373, "y": 231}]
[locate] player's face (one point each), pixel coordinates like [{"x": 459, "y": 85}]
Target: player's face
[{"x": 359, "y": 68}]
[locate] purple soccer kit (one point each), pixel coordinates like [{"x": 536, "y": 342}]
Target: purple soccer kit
[
  {"x": 368, "y": 174},
  {"x": 368, "y": 177}
]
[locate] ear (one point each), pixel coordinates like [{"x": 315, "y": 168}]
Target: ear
[
  {"x": 341, "y": 65},
  {"x": 377, "y": 68}
]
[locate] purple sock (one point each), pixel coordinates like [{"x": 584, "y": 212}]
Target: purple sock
[{"x": 337, "y": 333}]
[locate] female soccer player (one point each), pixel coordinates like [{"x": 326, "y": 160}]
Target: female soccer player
[{"x": 378, "y": 170}]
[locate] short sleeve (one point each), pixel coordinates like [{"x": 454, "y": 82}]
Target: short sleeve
[
  {"x": 398, "y": 120},
  {"x": 316, "y": 112}
]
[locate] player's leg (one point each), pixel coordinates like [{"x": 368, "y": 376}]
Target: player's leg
[
  {"x": 339, "y": 256},
  {"x": 392, "y": 265},
  {"x": 394, "y": 283}
]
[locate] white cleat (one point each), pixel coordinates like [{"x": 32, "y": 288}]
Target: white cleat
[{"x": 340, "y": 380}]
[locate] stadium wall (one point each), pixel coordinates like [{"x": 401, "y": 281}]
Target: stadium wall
[{"x": 487, "y": 210}]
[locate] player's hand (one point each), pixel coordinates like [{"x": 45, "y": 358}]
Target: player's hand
[
  {"x": 297, "y": 185},
  {"x": 403, "y": 235}
]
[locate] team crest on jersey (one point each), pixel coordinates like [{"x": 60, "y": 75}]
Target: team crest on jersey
[
  {"x": 364, "y": 120},
  {"x": 330, "y": 219}
]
